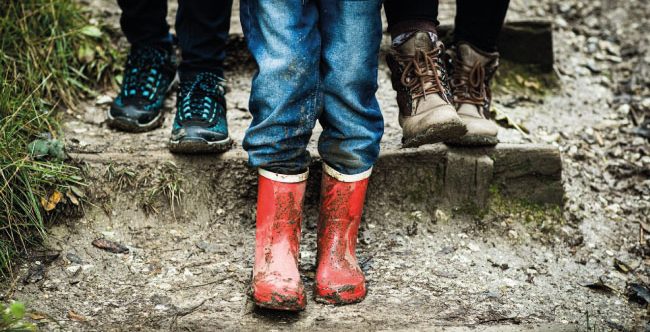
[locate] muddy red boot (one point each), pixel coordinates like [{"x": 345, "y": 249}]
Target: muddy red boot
[
  {"x": 276, "y": 279},
  {"x": 339, "y": 279}
]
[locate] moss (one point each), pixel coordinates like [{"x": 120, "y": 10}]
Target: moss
[
  {"x": 423, "y": 184},
  {"x": 545, "y": 218},
  {"x": 523, "y": 80}
]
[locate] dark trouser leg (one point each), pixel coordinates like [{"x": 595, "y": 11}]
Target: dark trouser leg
[
  {"x": 408, "y": 15},
  {"x": 143, "y": 21},
  {"x": 479, "y": 22},
  {"x": 202, "y": 28}
]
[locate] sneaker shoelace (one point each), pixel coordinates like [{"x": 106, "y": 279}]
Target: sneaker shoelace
[
  {"x": 142, "y": 74},
  {"x": 424, "y": 73},
  {"x": 200, "y": 98}
]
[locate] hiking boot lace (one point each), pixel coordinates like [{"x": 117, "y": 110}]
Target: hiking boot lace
[
  {"x": 468, "y": 83},
  {"x": 424, "y": 69}
]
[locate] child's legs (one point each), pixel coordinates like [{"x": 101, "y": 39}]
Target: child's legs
[
  {"x": 352, "y": 122},
  {"x": 284, "y": 40},
  {"x": 202, "y": 28},
  {"x": 144, "y": 21}
]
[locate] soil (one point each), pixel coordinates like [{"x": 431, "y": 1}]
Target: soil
[{"x": 512, "y": 267}]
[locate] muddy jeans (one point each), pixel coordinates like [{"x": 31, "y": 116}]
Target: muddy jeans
[
  {"x": 477, "y": 21},
  {"x": 317, "y": 60},
  {"x": 202, "y": 28}
]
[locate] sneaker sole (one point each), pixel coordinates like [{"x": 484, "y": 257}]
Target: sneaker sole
[
  {"x": 128, "y": 125},
  {"x": 473, "y": 140},
  {"x": 198, "y": 146},
  {"x": 437, "y": 134}
]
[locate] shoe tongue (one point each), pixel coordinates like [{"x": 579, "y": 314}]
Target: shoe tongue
[
  {"x": 419, "y": 40},
  {"x": 470, "y": 56}
]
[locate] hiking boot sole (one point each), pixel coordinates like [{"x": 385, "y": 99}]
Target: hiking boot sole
[
  {"x": 436, "y": 134},
  {"x": 473, "y": 140},
  {"x": 198, "y": 146}
]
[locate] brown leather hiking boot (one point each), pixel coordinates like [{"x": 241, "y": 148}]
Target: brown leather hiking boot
[
  {"x": 423, "y": 94},
  {"x": 471, "y": 71}
]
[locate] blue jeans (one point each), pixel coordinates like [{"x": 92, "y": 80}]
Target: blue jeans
[{"x": 317, "y": 60}]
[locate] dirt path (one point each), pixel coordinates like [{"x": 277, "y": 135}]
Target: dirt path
[{"x": 428, "y": 267}]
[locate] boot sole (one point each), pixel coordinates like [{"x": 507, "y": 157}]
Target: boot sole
[
  {"x": 199, "y": 146},
  {"x": 473, "y": 140},
  {"x": 440, "y": 133},
  {"x": 278, "y": 307},
  {"x": 290, "y": 306},
  {"x": 128, "y": 125},
  {"x": 335, "y": 299}
]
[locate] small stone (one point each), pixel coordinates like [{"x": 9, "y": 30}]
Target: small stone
[
  {"x": 161, "y": 307},
  {"x": 73, "y": 268},
  {"x": 103, "y": 100},
  {"x": 473, "y": 247},
  {"x": 74, "y": 258},
  {"x": 440, "y": 216}
]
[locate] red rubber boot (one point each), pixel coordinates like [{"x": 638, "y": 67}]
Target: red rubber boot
[
  {"x": 276, "y": 279},
  {"x": 339, "y": 279}
]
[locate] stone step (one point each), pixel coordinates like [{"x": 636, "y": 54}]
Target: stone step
[{"x": 404, "y": 180}]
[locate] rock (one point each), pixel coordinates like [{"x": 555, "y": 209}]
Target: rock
[
  {"x": 441, "y": 216},
  {"x": 103, "y": 100},
  {"x": 73, "y": 269}
]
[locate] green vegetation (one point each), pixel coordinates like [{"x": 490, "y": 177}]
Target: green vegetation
[
  {"x": 538, "y": 219},
  {"x": 527, "y": 81},
  {"x": 11, "y": 318},
  {"x": 50, "y": 57}
]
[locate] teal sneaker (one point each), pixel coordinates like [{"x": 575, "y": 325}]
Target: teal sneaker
[
  {"x": 200, "y": 124},
  {"x": 148, "y": 76}
]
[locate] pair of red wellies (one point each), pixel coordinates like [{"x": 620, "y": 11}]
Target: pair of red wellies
[{"x": 276, "y": 280}]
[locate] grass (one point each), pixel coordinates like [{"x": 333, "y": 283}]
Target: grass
[
  {"x": 50, "y": 57},
  {"x": 12, "y": 318},
  {"x": 167, "y": 184}
]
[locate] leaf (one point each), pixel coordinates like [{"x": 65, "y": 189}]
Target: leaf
[
  {"x": 506, "y": 121},
  {"x": 37, "y": 316},
  {"x": 599, "y": 285},
  {"x": 50, "y": 203},
  {"x": 85, "y": 54},
  {"x": 42, "y": 148},
  {"x": 110, "y": 246},
  {"x": 621, "y": 266},
  {"x": 91, "y": 31},
  {"x": 77, "y": 191},
  {"x": 76, "y": 317},
  {"x": 38, "y": 148},
  {"x": 72, "y": 197}
]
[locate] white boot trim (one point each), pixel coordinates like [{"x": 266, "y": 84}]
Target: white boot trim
[
  {"x": 284, "y": 178},
  {"x": 345, "y": 177}
]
